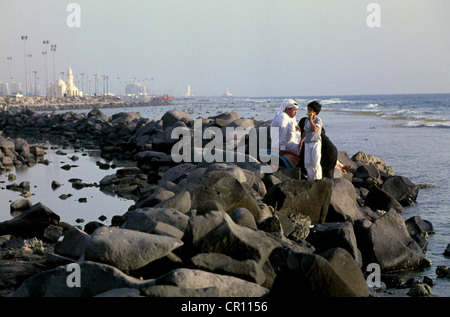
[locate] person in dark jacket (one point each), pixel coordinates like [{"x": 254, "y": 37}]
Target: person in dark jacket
[{"x": 329, "y": 157}]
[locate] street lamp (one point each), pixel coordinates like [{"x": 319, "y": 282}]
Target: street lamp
[
  {"x": 82, "y": 79},
  {"x": 31, "y": 83},
  {"x": 35, "y": 74},
  {"x": 95, "y": 84},
  {"x": 24, "y": 38},
  {"x": 9, "y": 59},
  {"x": 46, "y": 66},
  {"x": 53, "y": 49}
]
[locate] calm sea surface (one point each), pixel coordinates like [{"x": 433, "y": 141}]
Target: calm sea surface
[{"x": 410, "y": 132}]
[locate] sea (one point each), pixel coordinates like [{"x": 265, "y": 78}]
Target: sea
[{"x": 410, "y": 132}]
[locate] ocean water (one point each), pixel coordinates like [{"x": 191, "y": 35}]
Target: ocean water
[{"x": 410, "y": 132}]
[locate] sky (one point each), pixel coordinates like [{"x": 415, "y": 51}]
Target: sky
[{"x": 254, "y": 48}]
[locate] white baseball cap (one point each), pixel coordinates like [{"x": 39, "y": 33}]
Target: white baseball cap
[{"x": 289, "y": 103}]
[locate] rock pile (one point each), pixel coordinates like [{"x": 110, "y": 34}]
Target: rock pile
[{"x": 219, "y": 229}]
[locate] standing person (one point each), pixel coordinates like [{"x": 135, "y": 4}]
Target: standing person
[
  {"x": 329, "y": 160},
  {"x": 313, "y": 141},
  {"x": 285, "y": 130}
]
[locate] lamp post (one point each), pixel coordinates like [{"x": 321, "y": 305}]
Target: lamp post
[
  {"x": 82, "y": 80},
  {"x": 46, "y": 66},
  {"x": 24, "y": 38},
  {"x": 9, "y": 59},
  {"x": 95, "y": 84},
  {"x": 31, "y": 83},
  {"x": 53, "y": 49},
  {"x": 35, "y": 74}
]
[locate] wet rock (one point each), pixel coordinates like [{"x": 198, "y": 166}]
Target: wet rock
[
  {"x": 447, "y": 250},
  {"x": 443, "y": 271},
  {"x": 420, "y": 289},
  {"x": 55, "y": 184},
  {"x": 379, "y": 199},
  {"x": 402, "y": 189},
  {"x": 386, "y": 241},
  {"x": 20, "y": 205}
]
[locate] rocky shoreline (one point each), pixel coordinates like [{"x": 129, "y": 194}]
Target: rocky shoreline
[{"x": 206, "y": 229}]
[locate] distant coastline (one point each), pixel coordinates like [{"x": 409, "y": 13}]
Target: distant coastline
[{"x": 42, "y": 103}]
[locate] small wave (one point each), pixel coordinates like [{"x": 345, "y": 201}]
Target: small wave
[
  {"x": 332, "y": 101},
  {"x": 427, "y": 124}
]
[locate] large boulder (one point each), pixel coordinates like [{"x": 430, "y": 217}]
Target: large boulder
[
  {"x": 73, "y": 244},
  {"x": 310, "y": 198},
  {"x": 224, "y": 119},
  {"x": 127, "y": 249},
  {"x": 95, "y": 278},
  {"x": 180, "y": 202},
  {"x": 146, "y": 219},
  {"x": 333, "y": 273},
  {"x": 217, "y": 232},
  {"x": 343, "y": 205},
  {"x": 223, "y": 187},
  {"x": 387, "y": 242},
  {"x": 173, "y": 116},
  {"x": 380, "y": 164},
  {"x": 222, "y": 264},
  {"x": 378, "y": 199},
  {"x": 31, "y": 223},
  {"x": 326, "y": 236},
  {"x": 228, "y": 286},
  {"x": 402, "y": 189}
]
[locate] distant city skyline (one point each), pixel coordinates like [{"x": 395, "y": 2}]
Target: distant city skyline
[{"x": 250, "y": 47}]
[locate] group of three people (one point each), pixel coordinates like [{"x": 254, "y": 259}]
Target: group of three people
[{"x": 304, "y": 144}]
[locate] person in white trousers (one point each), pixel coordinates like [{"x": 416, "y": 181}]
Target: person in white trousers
[{"x": 313, "y": 141}]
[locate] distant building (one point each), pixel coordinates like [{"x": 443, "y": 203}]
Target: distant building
[
  {"x": 4, "y": 89},
  {"x": 65, "y": 89},
  {"x": 135, "y": 89},
  {"x": 15, "y": 87}
]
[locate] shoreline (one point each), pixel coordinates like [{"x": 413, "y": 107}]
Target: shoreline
[{"x": 150, "y": 150}]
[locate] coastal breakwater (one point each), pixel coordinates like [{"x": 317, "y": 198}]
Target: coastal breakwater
[
  {"x": 209, "y": 229},
  {"x": 43, "y": 103}
]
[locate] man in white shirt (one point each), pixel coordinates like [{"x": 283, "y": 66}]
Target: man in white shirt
[{"x": 285, "y": 130}]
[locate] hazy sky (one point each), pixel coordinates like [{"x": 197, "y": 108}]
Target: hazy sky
[{"x": 251, "y": 47}]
